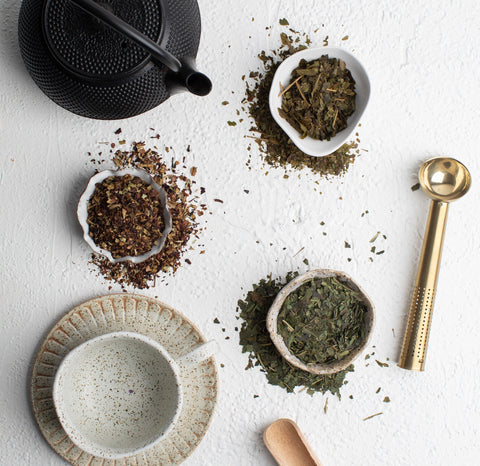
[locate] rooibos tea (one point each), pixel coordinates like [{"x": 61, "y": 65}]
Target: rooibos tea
[{"x": 125, "y": 216}]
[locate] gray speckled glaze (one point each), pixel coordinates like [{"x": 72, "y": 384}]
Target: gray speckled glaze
[{"x": 148, "y": 317}]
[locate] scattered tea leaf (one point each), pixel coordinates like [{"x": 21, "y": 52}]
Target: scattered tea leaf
[
  {"x": 386, "y": 399},
  {"x": 415, "y": 187},
  {"x": 381, "y": 364},
  {"x": 373, "y": 415},
  {"x": 232, "y": 123},
  {"x": 283, "y": 22}
]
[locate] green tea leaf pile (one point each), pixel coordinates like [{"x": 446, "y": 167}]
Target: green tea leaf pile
[
  {"x": 322, "y": 321},
  {"x": 276, "y": 148},
  {"x": 255, "y": 340},
  {"x": 319, "y": 98}
]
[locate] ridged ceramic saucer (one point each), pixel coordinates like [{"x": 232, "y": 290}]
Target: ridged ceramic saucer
[{"x": 136, "y": 313}]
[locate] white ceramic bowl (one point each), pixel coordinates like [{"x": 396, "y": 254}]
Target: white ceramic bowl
[
  {"x": 282, "y": 76},
  {"x": 82, "y": 213},
  {"x": 120, "y": 393},
  {"x": 320, "y": 369}
]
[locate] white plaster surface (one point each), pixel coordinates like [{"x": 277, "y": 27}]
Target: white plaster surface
[{"x": 423, "y": 59}]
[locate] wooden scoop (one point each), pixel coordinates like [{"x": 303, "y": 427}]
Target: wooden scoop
[{"x": 287, "y": 444}]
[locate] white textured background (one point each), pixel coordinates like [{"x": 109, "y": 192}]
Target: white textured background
[{"x": 423, "y": 59}]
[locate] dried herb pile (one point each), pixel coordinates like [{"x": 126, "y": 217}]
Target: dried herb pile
[
  {"x": 319, "y": 98},
  {"x": 275, "y": 146},
  {"x": 256, "y": 341},
  {"x": 185, "y": 208},
  {"x": 322, "y": 321},
  {"x": 125, "y": 216}
]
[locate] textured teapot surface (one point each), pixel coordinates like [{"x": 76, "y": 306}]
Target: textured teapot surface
[{"x": 92, "y": 70}]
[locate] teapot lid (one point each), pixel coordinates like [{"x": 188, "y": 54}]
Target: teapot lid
[{"x": 92, "y": 50}]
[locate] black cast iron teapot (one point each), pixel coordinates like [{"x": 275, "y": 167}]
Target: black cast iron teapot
[{"x": 112, "y": 59}]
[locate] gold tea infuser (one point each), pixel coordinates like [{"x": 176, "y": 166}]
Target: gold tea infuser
[{"x": 443, "y": 180}]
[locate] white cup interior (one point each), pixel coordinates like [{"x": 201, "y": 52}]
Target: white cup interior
[{"x": 117, "y": 395}]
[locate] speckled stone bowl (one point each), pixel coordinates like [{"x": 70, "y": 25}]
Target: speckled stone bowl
[
  {"x": 120, "y": 393},
  {"x": 319, "y": 369}
]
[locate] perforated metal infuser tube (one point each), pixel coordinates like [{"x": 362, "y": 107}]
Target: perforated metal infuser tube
[{"x": 415, "y": 341}]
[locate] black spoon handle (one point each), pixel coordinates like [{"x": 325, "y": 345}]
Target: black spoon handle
[{"x": 124, "y": 28}]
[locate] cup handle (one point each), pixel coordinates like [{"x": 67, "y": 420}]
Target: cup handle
[{"x": 199, "y": 354}]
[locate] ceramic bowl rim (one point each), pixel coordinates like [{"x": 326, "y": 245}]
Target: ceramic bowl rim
[
  {"x": 309, "y": 145},
  {"x": 319, "y": 369},
  {"x": 82, "y": 213},
  {"x": 75, "y": 436}
]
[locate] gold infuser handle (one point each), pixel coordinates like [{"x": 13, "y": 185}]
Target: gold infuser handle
[{"x": 415, "y": 341}]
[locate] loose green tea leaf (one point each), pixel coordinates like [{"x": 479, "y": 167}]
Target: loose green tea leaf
[
  {"x": 256, "y": 341},
  {"x": 386, "y": 399},
  {"x": 320, "y": 98},
  {"x": 381, "y": 364},
  {"x": 322, "y": 321},
  {"x": 276, "y": 148},
  {"x": 415, "y": 187},
  {"x": 283, "y": 22},
  {"x": 125, "y": 216}
]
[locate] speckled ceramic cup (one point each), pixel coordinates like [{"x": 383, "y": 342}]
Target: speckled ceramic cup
[{"x": 120, "y": 393}]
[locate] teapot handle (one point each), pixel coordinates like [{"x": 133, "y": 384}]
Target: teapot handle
[{"x": 136, "y": 36}]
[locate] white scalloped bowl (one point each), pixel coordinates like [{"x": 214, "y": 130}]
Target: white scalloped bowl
[
  {"x": 82, "y": 213},
  {"x": 282, "y": 76}
]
